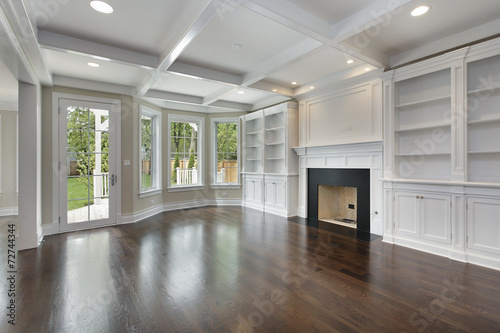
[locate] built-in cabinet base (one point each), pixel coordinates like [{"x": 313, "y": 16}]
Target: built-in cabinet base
[
  {"x": 459, "y": 221},
  {"x": 276, "y": 194}
]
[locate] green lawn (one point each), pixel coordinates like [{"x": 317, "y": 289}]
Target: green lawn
[
  {"x": 146, "y": 181},
  {"x": 77, "y": 190}
]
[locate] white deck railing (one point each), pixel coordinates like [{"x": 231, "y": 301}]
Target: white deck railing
[
  {"x": 187, "y": 176},
  {"x": 221, "y": 176},
  {"x": 101, "y": 186}
]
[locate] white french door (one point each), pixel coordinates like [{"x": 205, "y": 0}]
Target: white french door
[{"x": 87, "y": 164}]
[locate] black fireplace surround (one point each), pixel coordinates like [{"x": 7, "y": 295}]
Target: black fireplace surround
[{"x": 359, "y": 178}]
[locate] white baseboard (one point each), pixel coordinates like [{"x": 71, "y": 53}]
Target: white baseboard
[
  {"x": 50, "y": 229},
  {"x": 10, "y": 211},
  {"x": 473, "y": 257},
  {"x": 139, "y": 216},
  {"x": 39, "y": 236},
  {"x": 143, "y": 214}
]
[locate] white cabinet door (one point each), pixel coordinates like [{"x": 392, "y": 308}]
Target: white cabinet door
[
  {"x": 423, "y": 215},
  {"x": 483, "y": 219},
  {"x": 407, "y": 213},
  {"x": 253, "y": 191},
  {"x": 275, "y": 195},
  {"x": 270, "y": 194},
  {"x": 435, "y": 217}
]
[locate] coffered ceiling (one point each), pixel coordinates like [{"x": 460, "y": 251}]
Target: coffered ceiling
[{"x": 233, "y": 55}]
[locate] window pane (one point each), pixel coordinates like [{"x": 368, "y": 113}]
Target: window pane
[
  {"x": 184, "y": 153},
  {"x": 150, "y": 154},
  {"x": 227, "y": 146}
]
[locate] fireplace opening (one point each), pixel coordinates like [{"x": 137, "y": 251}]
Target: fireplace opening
[
  {"x": 327, "y": 184},
  {"x": 338, "y": 205}
]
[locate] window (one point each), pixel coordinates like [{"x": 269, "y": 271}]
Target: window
[
  {"x": 185, "y": 167},
  {"x": 226, "y": 153},
  {"x": 150, "y": 152}
]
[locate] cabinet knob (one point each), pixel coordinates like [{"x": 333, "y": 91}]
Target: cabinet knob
[{"x": 418, "y": 197}]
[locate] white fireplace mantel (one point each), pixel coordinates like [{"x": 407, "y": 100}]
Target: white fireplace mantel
[{"x": 349, "y": 156}]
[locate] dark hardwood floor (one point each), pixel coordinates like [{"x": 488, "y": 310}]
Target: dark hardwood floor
[{"x": 237, "y": 270}]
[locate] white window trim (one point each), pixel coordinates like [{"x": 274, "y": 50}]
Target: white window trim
[
  {"x": 213, "y": 151},
  {"x": 143, "y": 110},
  {"x": 201, "y": 152}
]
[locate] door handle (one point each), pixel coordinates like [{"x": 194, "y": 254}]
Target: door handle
[{"x": 114, "y": 178}]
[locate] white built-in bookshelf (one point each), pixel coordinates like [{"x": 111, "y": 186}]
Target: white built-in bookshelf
[
  {"x": 422, "y": 127},
  {"x": 253, "y": 141},
  {"x": 270, "y": 169},
  {"x": 483, "y": 120}
]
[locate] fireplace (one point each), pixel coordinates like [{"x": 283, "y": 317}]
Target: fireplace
[{"x": 340, "y": 196}]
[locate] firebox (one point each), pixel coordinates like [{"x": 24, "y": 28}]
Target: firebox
[{"x": 340, "y": 196}]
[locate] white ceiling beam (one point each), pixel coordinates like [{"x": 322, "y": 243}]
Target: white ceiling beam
[
  {"x": 204, "y": 73},
  {"x": 379, "y": 12},
  {"x": 21, "y": 33},
  {"x": 219, "y": 94},
  {"x": 232, "y": 105},
  {"x": 66, "y": 44},
  {"x": 270, "y": 101},
  {"x": 72, "y": 82},
  {"x": 272, "y": 88},
  {"x": 181, "y": 42},
  {"x": 187, "y": 107},
  {"x": 280, "y": 60},
  {"x": 291, "y": 16},
  {"x": 174, "y": 97}
]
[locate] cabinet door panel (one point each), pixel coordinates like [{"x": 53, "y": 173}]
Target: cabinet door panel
[
  {"x": 407, "y": 213},
  {"x": 435, "y": 217},
  {"x": 270, "y": 194},
  {"x": 280, "y": 195},
  {"x": 483, "y": 219}
]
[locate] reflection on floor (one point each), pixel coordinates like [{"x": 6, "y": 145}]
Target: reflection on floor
[{"x": 336, "y": 229}]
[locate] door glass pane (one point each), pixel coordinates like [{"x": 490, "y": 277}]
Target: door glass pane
[
  {"x": 88, "y": 164},
  {"x": 78, "y": 211}
]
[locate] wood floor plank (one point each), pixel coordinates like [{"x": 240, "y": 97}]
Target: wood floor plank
[{"x": 230, "y": 269}]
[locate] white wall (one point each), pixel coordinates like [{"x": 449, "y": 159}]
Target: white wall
[{"x": 8, "y": 160}]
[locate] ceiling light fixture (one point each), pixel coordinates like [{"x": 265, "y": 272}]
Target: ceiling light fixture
[
  {"x": 420, "y": 10},
  {"x": 294, "y": 82},
  {"x": 350, "y": 61},
  {"x": 241, "y": 92},
  {"x": 101, "y": 7},
  {"x": 93, "y": 64}
]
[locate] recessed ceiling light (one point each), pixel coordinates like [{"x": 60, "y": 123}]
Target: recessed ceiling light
[
  {"x": 93, "y": 64},
  {"x": 350, "y": 61},
  {"x": 294, "y": 82},
  {"x": 275, "y": 90},
  {"x": 236, "y": 46},
  {"x": 101, "y": 7},
  {"x": 312, "y": 87},
  {"x": 241, "y": 92},
  {"x": 420, "y": 10}
]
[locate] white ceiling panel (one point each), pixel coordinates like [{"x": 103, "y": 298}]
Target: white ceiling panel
[
  {"x": 185, "y": 85},
  {"x": 71, "y": 65},
  {"x": 260, "y": 39},
  {"x": 331, "y": 11},
  {"x": 141, "y": 26},
  {"x": 446, "y": 17}
]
